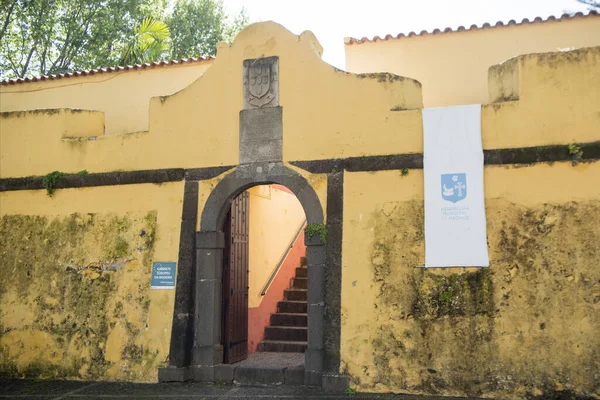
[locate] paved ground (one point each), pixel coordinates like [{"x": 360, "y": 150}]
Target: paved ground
[{"x": 63, "y": 390}]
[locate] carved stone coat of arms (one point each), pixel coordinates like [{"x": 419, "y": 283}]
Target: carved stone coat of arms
[{"x": 261, "y": 82}]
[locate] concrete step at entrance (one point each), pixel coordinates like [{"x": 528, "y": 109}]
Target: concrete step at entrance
[
  {"x": 292, "y": 306},
  {"x": 301, "y": 272},
  {"x": 295, "y": 294},
  {"x": 283, "y": 346},
  {"x": 289, "y": 319},
  {"x": 289, "y": 333},
  {"x": 299, "y": 283},
  {"x": 268, "y": 368}
]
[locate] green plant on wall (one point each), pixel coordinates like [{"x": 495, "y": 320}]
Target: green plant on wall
[
  {"x": 447, "y": 296},
  {"x": 317, "y": 229},
  {"x": 404, "y": 171},
  {"x": 575, "y": 150},
  {"x": 50, "y": 181}
]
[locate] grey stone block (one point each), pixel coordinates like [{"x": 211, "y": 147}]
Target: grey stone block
[
  {"x": 313, "y": 378},
  {"x": 264, "y": 376},
  {"x": 313, "y": 211},
  {"x": 316, "y": 283},
  {"x": 201, "y": 373},
  {"x": 173, "y": 374},
  {"x": 210, "y": 240},
  {"x": 316, "y": 322},
  {"x": 337, "y": 383},
  {"x": 294, "y": 376},
  {"x": 224, "y": 372},
  {"x": 314, "y": 240},
  {"x": 208, "y": 355},
  {"x": 313, "y": 360},
  {"x": 208, "y": 316},
  {"x": 261, "y": 82},
  {"x": 261, "y": 124},
  {"x": 259, "y": 151},
  {"x": 316, "y": 254},
  {"x": 208, "y": 262}
]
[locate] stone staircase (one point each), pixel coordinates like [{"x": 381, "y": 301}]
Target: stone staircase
[{"x": 288, "y": 330}]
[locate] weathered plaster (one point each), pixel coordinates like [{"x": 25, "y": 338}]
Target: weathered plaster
[
  {"x": 525, "y": 326},
  {"x": 83, "y": 280},
  {"x": 75, "y": 298}
]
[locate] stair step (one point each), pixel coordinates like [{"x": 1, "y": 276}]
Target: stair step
[
  {"x": 299, "y": 283},
  {"x": 292, "y": 306},
  {"x": 282, "y": 346},
  {"x": 295, "y": 294},
  {"x": 301, "y": 272},
  {"x": 303, "y": 261},
  {"x": 289, "y": 319},
  {"x": 288, "y": 333}
]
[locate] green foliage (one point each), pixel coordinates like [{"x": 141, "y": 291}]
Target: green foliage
[
  {"x": 50, "y": 181},
  {"x": 198, "y": 25},
  {"x": 575, "y": 150},
  {"x": 447, "y": 295},
  {"x": 404, "y": 171},
  {"x": 317, "y": 229},
  {"x": 594, "y": 4},
  {"x": 350, "y": 391},
  {"x": 232, "y": 29},
  {"x": 43, "y": 37},
  {"x": 149, "y": 43}
]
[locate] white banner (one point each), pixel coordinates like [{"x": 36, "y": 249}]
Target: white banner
[{"x": 455, "y": 227}]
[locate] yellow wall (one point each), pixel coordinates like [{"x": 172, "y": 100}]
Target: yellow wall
[
  {"x": 453, "y": 67},
  {"x": 75, "y": 298},
  {"x": 336, "y": 115},
  {"x": 526, "y": 325},
  {"x": 123, "y": 97},
  {"x": 275, "y": 217},
  {"x": 324, "y": 116}
]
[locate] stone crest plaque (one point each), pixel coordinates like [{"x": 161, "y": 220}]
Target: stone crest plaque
[{"x": 261, "y": 82}]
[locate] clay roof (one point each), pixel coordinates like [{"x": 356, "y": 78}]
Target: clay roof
[
  {"x": 156, "y": 64},
  {"x": 487, "y": 25}
]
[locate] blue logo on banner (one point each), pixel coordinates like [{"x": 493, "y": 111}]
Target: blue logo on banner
[
  {"x": 163, "y": 275},
  {"x": 454, "y": 187}
]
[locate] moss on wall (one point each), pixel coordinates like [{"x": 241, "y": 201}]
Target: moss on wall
[
  {"x": 525, "y": 327},
  {"x": 75, "y": 295}
]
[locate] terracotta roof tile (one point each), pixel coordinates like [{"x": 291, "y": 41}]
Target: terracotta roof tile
[
  {"x": 351, "y": 40},
  {"x": 156, "y": 64}
]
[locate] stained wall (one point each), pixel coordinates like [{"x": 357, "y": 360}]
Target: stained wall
[{"x": 523, "y": 326}]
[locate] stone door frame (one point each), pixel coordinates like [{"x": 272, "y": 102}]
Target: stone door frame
[{"x": 207, "y": 351}]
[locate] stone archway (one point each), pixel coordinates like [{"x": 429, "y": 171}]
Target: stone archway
[{"x": 207, "y": 351}]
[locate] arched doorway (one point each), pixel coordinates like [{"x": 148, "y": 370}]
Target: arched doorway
[{"x": 206, "y": 349}]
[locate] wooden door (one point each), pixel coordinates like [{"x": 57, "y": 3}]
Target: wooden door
[{"x": 235, "y": 281}]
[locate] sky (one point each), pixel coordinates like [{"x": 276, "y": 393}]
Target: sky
[{"x": 332, "y": 20}]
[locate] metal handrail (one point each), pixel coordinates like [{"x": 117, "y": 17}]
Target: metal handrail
[{"x": 280, "y": 263}]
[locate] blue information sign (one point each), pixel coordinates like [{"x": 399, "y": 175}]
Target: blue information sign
[{"x": 163, "y": 275}]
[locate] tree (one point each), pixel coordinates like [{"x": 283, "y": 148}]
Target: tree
[
  {"x": 43, "y": 37},
  {"x": 198, "y": 25},
  {"x": 594, "y": 5},
  {"x": 149, "y": 43},
  {"x": 40, "y": 37}
]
